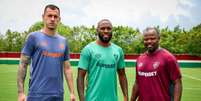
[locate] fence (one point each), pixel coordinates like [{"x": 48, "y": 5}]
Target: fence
[{"x": 130, "y": 59}]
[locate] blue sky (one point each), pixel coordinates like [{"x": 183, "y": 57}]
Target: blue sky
[{"x": 19, "y": 15}]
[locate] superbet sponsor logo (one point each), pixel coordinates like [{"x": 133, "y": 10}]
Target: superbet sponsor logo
[{"x": 147, "y": 74}]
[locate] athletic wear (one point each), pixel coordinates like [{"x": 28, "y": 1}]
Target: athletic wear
[
  {"x": 48, "y": 54},
  {"x": 101, "y": 64},
  {"x": 155, "y": 74},
  {"x": 39, "y": 97}
]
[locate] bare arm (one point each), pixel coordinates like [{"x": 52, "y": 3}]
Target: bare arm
[
  {"x": 123, "y": 82},
  {"x": 21, "y": 75},
  {"x": 69, "y": 79},
  {"x": 177, "y": 89},
  {"x": 135, "y": 91},
  {"x": 80, "y": 83}
]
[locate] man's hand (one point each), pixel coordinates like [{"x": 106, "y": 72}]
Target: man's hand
[
  {"x": 125, "y": 98},
  {"x": 21, "y": 97},
  {"x": 72, "y": 97},
  {"x": 21, "y": 75}
]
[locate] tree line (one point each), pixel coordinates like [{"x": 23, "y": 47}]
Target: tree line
[{"x": 177, "y": 40}]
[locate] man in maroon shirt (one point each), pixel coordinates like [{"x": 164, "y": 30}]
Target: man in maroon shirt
[{"x": 158, "y": 77}]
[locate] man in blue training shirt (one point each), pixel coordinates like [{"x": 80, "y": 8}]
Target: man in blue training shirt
[{"x": 49, "y": 55}]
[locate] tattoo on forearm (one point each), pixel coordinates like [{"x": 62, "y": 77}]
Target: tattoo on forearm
[{"x": 24, "y": 61}]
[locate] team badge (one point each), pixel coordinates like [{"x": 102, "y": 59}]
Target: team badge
[
  {"x": 140, "y": 64},
  {"x": 97, "y": 56},
  {"x": 61, "y": 46},
  {"x": 115, "y": 56},
  {"x": 156, "y": 64}
]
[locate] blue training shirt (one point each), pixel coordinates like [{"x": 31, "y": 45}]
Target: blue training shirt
[{"x": 47, "y": 56}]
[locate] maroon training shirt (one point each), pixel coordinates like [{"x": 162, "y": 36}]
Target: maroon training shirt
[{"x": 155, "y": 74}]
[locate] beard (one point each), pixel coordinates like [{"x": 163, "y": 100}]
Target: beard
[
  {"x": 153, "y": 48},
  {"x": 105, "y": 39}
]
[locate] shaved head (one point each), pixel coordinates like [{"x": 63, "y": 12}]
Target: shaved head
[
  {"x": 104, "y": 30},
  {"x": 102, "y": 21}
]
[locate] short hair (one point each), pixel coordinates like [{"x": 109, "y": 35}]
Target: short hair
[
  {"x": 152, "y": 28},
  {"x": 102, "y": 21},
  {"x": 51, "y": 6}
]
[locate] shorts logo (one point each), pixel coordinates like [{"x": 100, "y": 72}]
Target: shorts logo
[{"x": 156, "y": 64}]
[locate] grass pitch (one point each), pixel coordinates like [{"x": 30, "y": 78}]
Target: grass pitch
[{"x": 8, "y": 86}]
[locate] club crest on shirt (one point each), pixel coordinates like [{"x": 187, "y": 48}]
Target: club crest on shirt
[
  {"x": 115, "y": 56},
  {"x": 97, "y": 56},
  {"x": 140, "y": 64},
  {"x": 156, "y": 64},
  {"x": 61, "y": 46}
]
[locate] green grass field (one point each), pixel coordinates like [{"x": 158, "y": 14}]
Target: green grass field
[{"x": 191, "y": 83}]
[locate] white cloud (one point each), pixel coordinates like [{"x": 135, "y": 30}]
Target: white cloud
[
  {"x": 125, "y": 10},
  {"x": 18, "y": 15},
  {"x": 21, "y": 14}
]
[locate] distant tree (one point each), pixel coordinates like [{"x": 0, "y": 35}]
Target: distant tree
[
  {"x": 36, "y": 27},
  {"x": 81, "y": 36},
  {"x": 173, "y": 40},
  {"x": 9, "y": 40},
  {"x": 177, "y": 41},
  {"x": 13, "y": 41},
  {"x": 137, "y": 44},
  {"x": 125, "y": 37},
  {"x": 64, "y": 30},
  {"x": 194, "y": 41},
  {"x": 2, "y": 43}
]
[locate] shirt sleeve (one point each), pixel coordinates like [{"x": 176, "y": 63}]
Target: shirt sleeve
[
  {"x": 66, "y": 52},
  {"x": 121, "y": 62},
  {"x": 173, "y": 67},
  {"x": 84, "y": 59},
  {"x": 29, "y": 45},
  {"x": 136, "y": 70}
]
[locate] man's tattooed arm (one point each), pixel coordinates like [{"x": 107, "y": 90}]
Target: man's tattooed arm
[{"x": 21, "y": 75}]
